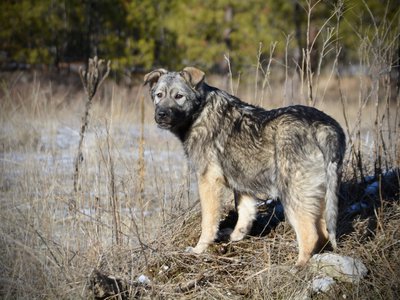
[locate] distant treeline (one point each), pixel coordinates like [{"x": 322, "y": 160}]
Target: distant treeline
[{"x": 142, "y": 34}]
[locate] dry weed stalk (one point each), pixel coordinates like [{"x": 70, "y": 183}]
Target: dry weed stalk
[
  {"x": 230, "y": 75},
  {"x": 113, "y": 191},
  {"x": 307, "y": 55},
  {"x": 266, "y": 72},
  {"x": 92, "y": 78},
  {"x": 141, "y": 162},
  {"x": 332, "y": 35}
]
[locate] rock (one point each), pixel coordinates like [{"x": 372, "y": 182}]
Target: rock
[
  {"x": 143, "y": 279},
  {"x": 322, "y": 284},
  {"x": 342, "y": 268}
]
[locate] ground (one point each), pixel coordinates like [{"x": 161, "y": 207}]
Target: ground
[{"x": 137, "y": 206}]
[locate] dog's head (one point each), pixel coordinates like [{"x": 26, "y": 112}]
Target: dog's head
[{"x": 177, "y": 96}]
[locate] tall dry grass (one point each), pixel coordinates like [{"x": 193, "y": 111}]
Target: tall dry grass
[
  {"x": 47, "y": 249},
  {"x": 137, "y": 208}
]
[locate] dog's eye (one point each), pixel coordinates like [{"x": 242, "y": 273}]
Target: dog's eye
[
  {"x": 178, "y": 96},
  {"x": 159, "y": 95}
]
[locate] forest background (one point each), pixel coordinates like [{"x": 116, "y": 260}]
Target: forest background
[{"x": 139, "y": 35}]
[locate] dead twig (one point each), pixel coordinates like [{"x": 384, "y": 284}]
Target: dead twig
[{"x": 92, "y": 79}]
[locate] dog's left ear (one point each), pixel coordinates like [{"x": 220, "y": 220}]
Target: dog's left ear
[
  {"x": 152, "y": 77},
  {"x": 193, "y": 76}
]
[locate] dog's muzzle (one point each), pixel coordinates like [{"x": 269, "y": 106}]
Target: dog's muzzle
[{"x": 163, "y": 117}]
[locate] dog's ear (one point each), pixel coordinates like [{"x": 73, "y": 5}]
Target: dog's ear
[
  {"x": 152, "y": 77},
  {"x": 193, "y": 76}
]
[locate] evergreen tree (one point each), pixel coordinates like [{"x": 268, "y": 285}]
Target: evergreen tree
[{"x": 142, "y": 34}]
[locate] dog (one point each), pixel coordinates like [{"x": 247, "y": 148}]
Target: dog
[{"x": 293, "y": 153}]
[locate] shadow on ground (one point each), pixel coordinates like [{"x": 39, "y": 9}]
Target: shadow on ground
[{"x": 359, "y": 200}]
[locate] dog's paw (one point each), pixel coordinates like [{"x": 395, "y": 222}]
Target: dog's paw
[
  {"x": 200, "y": 248},
  {"x": 237, "y": 235}
]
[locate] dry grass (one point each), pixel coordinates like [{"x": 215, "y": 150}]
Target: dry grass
[
  {"x": 137, "y": 208},
  {"x": 48, "y": 251},
  {"x": 256, "y": 268}
]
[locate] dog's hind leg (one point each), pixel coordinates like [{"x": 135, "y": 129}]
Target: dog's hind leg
[
  {"x": 306, "y": 228},
  {"x": 210, "y": 186},
  {"x": 322, "y": 233},
  {"x": 246, "y": 214}
]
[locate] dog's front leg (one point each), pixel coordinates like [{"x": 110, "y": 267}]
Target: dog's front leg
[{"x": 210, "y": 186}]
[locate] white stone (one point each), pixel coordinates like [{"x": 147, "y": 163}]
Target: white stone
[
  {"x": 143, "y": 279},
  {"x": 322, "y": 284},
  {"x": 342, "y": 268}
]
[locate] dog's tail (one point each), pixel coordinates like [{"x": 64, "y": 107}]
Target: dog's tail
[
  {"x": 331, "y": 205},
  {"x": 332, "y": 141}
]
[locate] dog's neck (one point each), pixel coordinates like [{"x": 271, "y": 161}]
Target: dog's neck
[{"x": 182, "y": 131}]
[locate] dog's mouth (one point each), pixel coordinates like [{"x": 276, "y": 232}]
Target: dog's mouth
[{"x": 164, "y": 125}]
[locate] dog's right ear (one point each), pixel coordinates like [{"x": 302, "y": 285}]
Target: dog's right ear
[
  {"x": 193, "y": 75},
  {"x": 152, "y": 77}
]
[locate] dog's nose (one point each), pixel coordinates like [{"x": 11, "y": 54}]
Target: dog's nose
[{"x": 161, "y": 114}]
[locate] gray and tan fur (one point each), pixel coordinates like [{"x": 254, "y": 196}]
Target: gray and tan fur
[{"x": 293, "y": 153}]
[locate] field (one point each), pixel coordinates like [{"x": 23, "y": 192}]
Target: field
[{"x": 122, "y": 232}]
